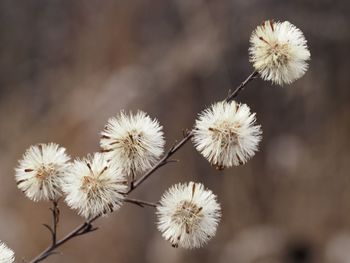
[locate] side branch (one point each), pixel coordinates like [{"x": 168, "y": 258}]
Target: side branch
[
  {"x": 140, "y": 203},
  {"x": 55, "y": 219},
  {"x": 162, "y": 161},
  {"x": 87, "y": 227}
]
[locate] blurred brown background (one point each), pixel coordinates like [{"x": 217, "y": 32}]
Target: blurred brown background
[{"x": 67, "y": 66}]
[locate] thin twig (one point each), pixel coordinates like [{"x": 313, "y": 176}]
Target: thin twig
[
  {"x": 189, "y": 135},
  {"x": 132, "y": 182},
  {"x": 140, "y": 203},
  {"x": 87, "y": 227},
  {"x": 55, "y": 217},
  {"x": 234, "y": 94},
  {"x": 82, "y": 229},
  {"x": 163, "y": 160}
]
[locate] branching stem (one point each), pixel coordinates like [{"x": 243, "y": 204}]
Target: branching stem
[
  {"x": 84, "y": 228},
  {"x": 140, "y": 203},
  {"x": 163, "y": 161},
  {"x": 87, "y": 227},
  {"x": 188, "y": 136}
]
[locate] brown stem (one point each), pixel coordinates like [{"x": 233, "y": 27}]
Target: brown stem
[
  {"x": 82, "y": 229},
  {"x": 140, "y": 203},
  {"x": 234, "y": 94},
  {"x": 55, "y": 217},
  {"x": 177, "y": 146},
  {"x": 164, "y": 160},
  {"x": 132, "y": 182},
  {"x": 87, "y": 227}
]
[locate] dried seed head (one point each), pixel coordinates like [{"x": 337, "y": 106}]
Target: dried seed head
[
  {"x": 279, "y": 52},
  {"x": 41, "y": 170},
  {"x": 188, "y": 215},
  {"x": 226, "y": 134},
  {"x": 135, "y": 142},
  {"x": 94, "y": 186}
]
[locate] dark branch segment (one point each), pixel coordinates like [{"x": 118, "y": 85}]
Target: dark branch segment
[
  {"x": 87, "y": 227},
  {"x": 140, "y": 203},
  {"x": 83, "y": 229},
  {"x": 234, "y": 94}
]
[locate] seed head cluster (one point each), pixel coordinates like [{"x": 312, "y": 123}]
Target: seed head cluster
[{"x": 226, "y": 134}]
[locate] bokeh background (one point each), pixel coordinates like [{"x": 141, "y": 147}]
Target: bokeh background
[{"x": 67, "y": 66}]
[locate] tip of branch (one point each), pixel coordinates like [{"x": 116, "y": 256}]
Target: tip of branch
[
  {"x": 93, "y": 229},
  {"x": 49, "y": 228}
]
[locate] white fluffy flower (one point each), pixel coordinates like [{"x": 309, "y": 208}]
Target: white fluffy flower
[
  {"x": 135, "y": 142},
  {"x": 40, "y": 171},
  {"x": 279, "y": 52},
  {"x": 226, "y": 134},
  {"x": 94, "y": 186},
  {"x": 188, "y": 215},
  {"x": 6, "y": 254}
]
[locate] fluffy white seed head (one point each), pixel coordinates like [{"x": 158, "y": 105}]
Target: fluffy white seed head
[
  {"x": 6, "y": 254},
  {"x": 279, "y": 52},
  {"x": 94, "y": 186},
  {"x": 188, "y": 215},
  {"x": 134, "y": 141},
  {"x": 40, "y": 171},
  {"x": 226, "y": 134}
]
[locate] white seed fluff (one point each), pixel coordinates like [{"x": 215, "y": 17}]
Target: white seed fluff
[
  {"x": 6, "y": 254},
  {"x": 40, "y": 171},
  {"x": 279, "y": 52},
  {"x": 135, "y": 142},
  {"x": 188, "y": 215},
  {"x": 94, "y": 186},
  {"x": 226, "y": 134}
]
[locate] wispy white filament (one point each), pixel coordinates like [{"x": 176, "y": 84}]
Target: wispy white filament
[
  {"x": 94, "y": 186},
  {"x": 6, "y": 254},
  {"x": 188, "y": 215},
  {"x": 279, "y": 52},
  {"x": 40, "y": 171},
  {"x": 226, "y": 134},
  {"x": 134, "y": 141}
]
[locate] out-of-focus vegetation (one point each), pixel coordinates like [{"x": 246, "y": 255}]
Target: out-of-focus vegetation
[{"x": 67, "y": 66}]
